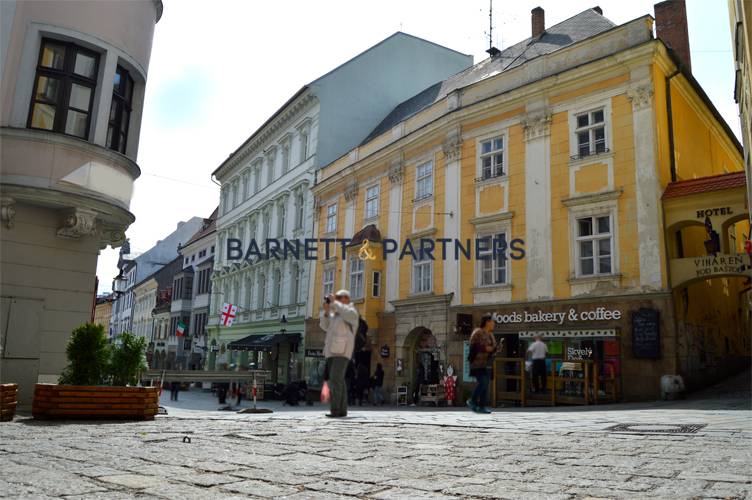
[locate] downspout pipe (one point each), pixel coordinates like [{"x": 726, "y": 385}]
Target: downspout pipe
[{"x": 669, "y": 114}]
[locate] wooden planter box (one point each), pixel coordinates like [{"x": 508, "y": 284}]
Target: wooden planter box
[
  {"x": 53, "y": 401},
  {"x": 8, "y": 401}
]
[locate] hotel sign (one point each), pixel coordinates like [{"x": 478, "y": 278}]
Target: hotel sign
[{"x": 706, "y": 267}]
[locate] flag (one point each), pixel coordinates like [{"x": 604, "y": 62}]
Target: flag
[
  {"x": 229, "y": 312},
  {"x": 180, "y": 330}
]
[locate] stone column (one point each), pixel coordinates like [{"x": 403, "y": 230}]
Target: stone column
[
  {"x": 394, "y": 229},
  {"x": 452, "y": 148}
]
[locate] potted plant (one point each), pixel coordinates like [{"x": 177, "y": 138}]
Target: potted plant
[{"x": 95, "y": 383}]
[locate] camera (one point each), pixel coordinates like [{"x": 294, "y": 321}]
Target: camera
[{"x": 327, "y": 300}]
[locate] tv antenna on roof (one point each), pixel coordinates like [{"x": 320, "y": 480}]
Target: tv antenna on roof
[{"x": 492, "y": 51}]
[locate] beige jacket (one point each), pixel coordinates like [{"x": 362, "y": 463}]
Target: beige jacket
[{"x": 340, "y": 326}]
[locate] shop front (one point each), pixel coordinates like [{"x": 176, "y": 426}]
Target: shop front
[{"x": 609, "y": 348}]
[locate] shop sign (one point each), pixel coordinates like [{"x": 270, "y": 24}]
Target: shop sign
[
  {"x": 573, "y": 316},
  {"x": 712, "y": 266},
  {"x": 314, "y": 353},
  {"x": 579, "y": 353},
  {"x": 714, "y": 212},
  {"x": 215, "y": 348},
  {"x": 384, "y": 351}
]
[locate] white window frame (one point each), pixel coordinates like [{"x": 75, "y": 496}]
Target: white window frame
[
  {"x": 257, "y": 177},
  {"x": 328, "y": 285},
  {"x": 376, "y": 283},
  {"x": 424, "y": 178},
  {"x": 331, "y": 218},
  {"x": 277, "y": 292},
  {"x": 356, "y": 268},
  {"x": 296, "y": 275},
  {"x": 594, "y": 239},
  {"x": 271, "y": 167},
  {"x": 372, "y": 202},
  {"x": 281, "y": 216},
  {"x": 299, "y": 210},
  {"x": 261, "y": 296},
  {"x": 494, "y": 152},
  {"x": 481, "y": 264},
  {"x": 304, "y": 138},
  {"x": 589, "y": 106},
  {"x": 422, "y": 276}
]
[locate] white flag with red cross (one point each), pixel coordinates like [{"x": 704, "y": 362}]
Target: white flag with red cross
[{"x": 227, "y": 317}]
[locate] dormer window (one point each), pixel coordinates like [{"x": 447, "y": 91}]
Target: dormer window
[{"x": 66, "y": 79}]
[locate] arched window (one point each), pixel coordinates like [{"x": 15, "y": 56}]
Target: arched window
[{"x": 277, "y": 287}]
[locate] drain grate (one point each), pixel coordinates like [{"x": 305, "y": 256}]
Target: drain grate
[{"x": 657, "y": 428}]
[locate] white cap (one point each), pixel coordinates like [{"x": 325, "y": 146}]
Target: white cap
[{"x": 342, "y": 293}]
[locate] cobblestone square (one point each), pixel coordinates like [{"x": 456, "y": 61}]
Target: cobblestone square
[{"x": 391, "y": 453}]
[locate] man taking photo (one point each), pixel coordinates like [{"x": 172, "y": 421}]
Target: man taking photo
[{"x": 339, "y": 320}]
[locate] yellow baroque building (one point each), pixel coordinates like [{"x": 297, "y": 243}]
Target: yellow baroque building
[{"x": 593, "y": 146}]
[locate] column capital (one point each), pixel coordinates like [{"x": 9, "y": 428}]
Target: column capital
[
  {"x": 452, "y": 145},
  {"x": 396, "y": 171},
  {"x": 537, "y": 126},
  {"x": 7, "y": 211},
  {"x": 351, "y": 191},
  {"x": 78, "y": 222},
  {"x": 640, "y": 96}
]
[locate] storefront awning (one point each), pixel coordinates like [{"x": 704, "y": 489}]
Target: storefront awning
[{"x": 260, "y": 342}]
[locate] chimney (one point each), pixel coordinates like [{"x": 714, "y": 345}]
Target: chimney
[
  {"x": 538, "y": 21},
  {"x": 671, "y": 27},
  {"x": 598, "y": 10}
]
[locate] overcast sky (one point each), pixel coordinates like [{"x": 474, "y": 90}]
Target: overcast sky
[{"x": 219, "y": 69}]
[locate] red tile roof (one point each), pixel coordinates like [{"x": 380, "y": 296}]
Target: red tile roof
[{"x": 704, "y": 185}]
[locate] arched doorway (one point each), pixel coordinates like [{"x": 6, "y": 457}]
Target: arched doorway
[{"x": 425, "y": 361}]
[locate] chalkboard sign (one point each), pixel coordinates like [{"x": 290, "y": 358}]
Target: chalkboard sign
[{"x": 646, "y": 336}]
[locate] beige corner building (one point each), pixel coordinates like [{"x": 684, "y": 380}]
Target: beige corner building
[
  {"x": 740, "y": 12},
  {"x": 71, "y": 96}
]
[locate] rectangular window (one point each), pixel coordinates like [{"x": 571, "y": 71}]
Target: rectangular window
[
  {"x": 331, "y": 218},
  {"x": 120, "y": 110},
  {"x": 303, "y": 146},
  {"x": 594, "y": 245},
  {"x": 235, "y": 197},
  {"x": 492, "y": 158},
  {"x": 424, "y": 181},
  {"x": 376, "y": 284},
  {"x": 356, "y": 277},
  {"x": 285, "y": 158},
  {"x": 256, "y": 179},
  {"x": 270, "y": 169},
  {"x": 372, "y": 202},
  {"x": 422, "y": 275},
  {"x": 493, "y": 271},
  {"x": 591, "y": 133},
  {"x": 296, "y": 276},
  {"x": 299, "y": 211},
  {"x": 328, "y": 280},
  {"x": 281, "y": 221},
  {"x": 66, "y": 78}
]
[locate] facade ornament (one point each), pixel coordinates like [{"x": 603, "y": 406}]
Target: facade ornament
[
  {"x": 317, "y": 206},
  {"x": 396, "y": 171},
  {"x": 351, "y": 191},
  {"x": 537, "y": 126},
  {"x": 112, "y": 237},
  {"x": 77, "y": 223},
  {"x": 8, "y": 211},
  {"x": 641, "y": 96},
  {"x": 452, "y": 146}
]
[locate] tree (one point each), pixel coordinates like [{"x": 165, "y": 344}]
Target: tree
[
  {"x": 88, "y": 353},
  {"x": 128, "y": 359}
]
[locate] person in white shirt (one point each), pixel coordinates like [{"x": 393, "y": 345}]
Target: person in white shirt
[
  {"x": 340, "y": 321},
  {"x": 538, "y": 352}
]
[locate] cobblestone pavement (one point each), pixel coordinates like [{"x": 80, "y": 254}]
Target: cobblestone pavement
[{"x": 513, "y": 453}]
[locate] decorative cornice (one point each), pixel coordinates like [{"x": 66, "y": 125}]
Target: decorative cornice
[
  {"x": 592, "y": 198},
  {"x": 7, "y": 211},
  {"x": 537, "y": 126},
  {"x": 492, "y": 218},
  {"x": 77, "y": 223},
  {"x": 452, "y": 146},
  {"x": 112, "y": 237},
  {"x": 396, "y": 171},
  {"x": 641, "y": 96}
]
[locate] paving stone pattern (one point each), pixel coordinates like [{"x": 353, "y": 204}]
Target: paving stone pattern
[{"x": 515, "y": 453}]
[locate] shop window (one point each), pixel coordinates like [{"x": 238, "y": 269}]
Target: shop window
[
  {"x": 492, "y": 158},
  {"x": 372, "y": 202},
  {"x": 120, "y": 110},
  {"x": 331, "y": 218},
  {"x": 493, "y": 269},
  {"x": 328, "y": 280},
  {"x": 590, "y": 133},
  {"x": 422, "y": 270},
  {"x": 424, "y": 181},
  {"x": 66, "y": 78},
  {"x": 594, "y": 245},
  {"x": 376, "y": 284},
  {"x": 356, "y": 277}
]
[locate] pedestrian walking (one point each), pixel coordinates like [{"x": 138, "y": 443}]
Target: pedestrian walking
[
  {"x": 538, "y": 351},
  {"x": 377, "y": 383},
  {"x": 362, "y": 383},
  {"x": 339, "y": 319},
  {"x": 174, "y": 390},
  {"x": 482, "y": 345},
  {"x": 241, "y": 389}
]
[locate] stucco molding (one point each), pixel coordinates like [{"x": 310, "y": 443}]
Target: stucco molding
[
  {"x": 640, "y": 96},
  {"x": 537, "y": 126},
  {"x": 397, "y": 171},
  {"x": 592, "y": 198},
  {"x": 351, "y": 191},
  {"x": 452, "y": 146},
  {"x": 7, "y": 211},
  {"x": 77, "y": 223}
]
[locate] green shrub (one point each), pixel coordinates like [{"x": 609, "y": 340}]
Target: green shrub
[
  {"x": 88, "y": 354},
  {"x": 128, "y": 359}
]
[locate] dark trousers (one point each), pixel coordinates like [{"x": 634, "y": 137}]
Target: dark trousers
[
  {"x": 539, "y": 374},
  {"x": 337, "y": 367},
  {"x": 481, "y": 389}
]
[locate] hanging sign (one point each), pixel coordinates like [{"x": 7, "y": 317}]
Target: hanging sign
[{"x": 384, "y": 351}]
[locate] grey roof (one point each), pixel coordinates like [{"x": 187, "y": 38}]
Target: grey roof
[{"x": 575, "y": 29}]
